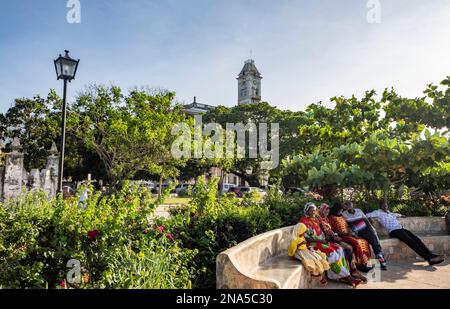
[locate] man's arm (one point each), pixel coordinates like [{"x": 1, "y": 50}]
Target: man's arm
[
  {"x": 352, "y": 218},
  {"x": 374, "y": 214}
]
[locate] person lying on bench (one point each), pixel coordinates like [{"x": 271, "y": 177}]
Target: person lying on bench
[{"x": 390, "y": 222}]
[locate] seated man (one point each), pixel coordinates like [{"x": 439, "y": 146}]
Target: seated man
[
  {"x": 395, "y": 229},
  {"x": 361, "y": 226}
]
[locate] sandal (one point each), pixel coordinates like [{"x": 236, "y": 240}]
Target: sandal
[
  {"x": 323, "y": 280},
  {"x": 356, "y": 274},
  {"x": 353, "y": 282}
]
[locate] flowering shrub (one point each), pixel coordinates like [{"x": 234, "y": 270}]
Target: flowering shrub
[
  {"x": 119, "y": 244},
  {"x": 39, "y": 237},
  {"x": 213, "y": 223}
]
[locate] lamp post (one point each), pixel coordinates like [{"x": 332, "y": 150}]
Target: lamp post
[{"x": 66, "y": 68}]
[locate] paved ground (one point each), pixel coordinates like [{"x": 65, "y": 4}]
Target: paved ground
[{"x": 408, "y": 275}]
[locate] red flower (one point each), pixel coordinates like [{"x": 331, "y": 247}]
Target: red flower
[
  {"x": 62, "y": 284},
  {"x": 93, "y": 234},
  {"x": 170, "y": 236},
  {"x": 160, "y": 229}
]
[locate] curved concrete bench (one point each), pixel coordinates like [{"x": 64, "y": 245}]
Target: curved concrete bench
[{"x": 262, "y": 262}]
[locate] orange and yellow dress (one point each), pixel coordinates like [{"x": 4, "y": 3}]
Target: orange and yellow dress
[{"x": 361, "y": 247}]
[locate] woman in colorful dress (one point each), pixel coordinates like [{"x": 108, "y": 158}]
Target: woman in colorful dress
[
  {"x": 361, "y": 247},
  {"x": 315, "y": 238},
  {"x": 334, "y": 238},
  {"x": 314, "y": 261}
]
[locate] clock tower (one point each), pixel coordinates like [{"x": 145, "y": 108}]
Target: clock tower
[{"x": 249, "y": 84}]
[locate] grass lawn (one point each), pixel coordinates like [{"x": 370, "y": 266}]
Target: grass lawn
[{"x": 177, "y": 200}]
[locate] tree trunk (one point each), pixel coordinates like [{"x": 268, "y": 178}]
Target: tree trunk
[
  {"x": 160, "y": 185},
  {"x": 222, "y": 174}
]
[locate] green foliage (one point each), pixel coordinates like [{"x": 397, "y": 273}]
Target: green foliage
[
  {"x": 249, "y": 169},
  {"x": 40, "y": 236},
  {"x": 120, "y": 245},
  {"x": 130, "y": 133},
  {"x": 156, "y": 264},
  {"x": 287, "y": 208},
  {"x": 212, "y": 223},
  {"x": 353, "y": 145},
  {"x": 35, "y": 122}
]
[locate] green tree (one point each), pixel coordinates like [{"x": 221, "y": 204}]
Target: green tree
[
  {"x": 130, "y": 133},
  {"x": 35, "y": 123},
  {"x": 249, "y": 169}
]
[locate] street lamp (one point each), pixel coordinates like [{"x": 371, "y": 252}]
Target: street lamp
[{"x": 66, "y": 68}]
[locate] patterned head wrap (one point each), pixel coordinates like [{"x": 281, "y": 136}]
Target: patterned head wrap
[
  {"x": 308, "y": 207},
  {"x": 323, "y": 208}
]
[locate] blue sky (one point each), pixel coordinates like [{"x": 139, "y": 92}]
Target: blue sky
[{"x": 307, "y": 51}]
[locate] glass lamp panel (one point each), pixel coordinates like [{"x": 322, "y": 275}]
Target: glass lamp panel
[
  {"x": 68, "y": 68},
  {"x": 58, "y": 67}
]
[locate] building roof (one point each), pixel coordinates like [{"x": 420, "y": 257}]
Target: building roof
[
  {"x": 250, "y": 68},
  {"x": 197, "y": 108}
]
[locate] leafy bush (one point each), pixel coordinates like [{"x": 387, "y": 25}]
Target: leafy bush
[
  {"x": 120, "y": 245},
  {"x": 156, "y": 265},
  {"x": 287, "y": 208},
  {"x": 183, "y": 193},
  {"x": 213, "y": 223},
  {"x": 40, "y": 236}
]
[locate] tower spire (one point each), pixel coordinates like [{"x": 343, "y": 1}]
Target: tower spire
[{"x": 249, "y": 83}]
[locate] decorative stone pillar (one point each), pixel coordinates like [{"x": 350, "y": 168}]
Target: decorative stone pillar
[
  {"x": 14, "y": 171},
  {"x": 49, "y": 175},
  {"x": 46, "y": 182},
  {"x": 34, "y": 180}
]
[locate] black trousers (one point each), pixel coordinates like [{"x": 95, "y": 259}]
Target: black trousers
[
  {"x": 371, "y": 236},
  {"x": 413, "y": 242}
]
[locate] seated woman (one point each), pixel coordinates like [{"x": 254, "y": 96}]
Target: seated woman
[
  {"x": 314, "y": 261},
  {"x": 315, "y": 238},
  {"x": 361, "y": 247},
  {"x": 332, "y": 237}
]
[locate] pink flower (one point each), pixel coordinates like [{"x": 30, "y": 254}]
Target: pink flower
[
  {"x": 62, "y": 284},
  {"x": 170, "y": 236},
  {"x": 160, "y": 229},
  {"x": 93, "y": 234}
]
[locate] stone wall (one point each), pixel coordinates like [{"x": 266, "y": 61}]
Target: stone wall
[{"x": 14, "y": 179}]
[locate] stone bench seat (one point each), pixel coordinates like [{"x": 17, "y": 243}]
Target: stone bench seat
[
  {"x": 262, "y": 262},
  {"x": 286, "y": 273},
  {"x": 396, "y": 250}
]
